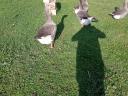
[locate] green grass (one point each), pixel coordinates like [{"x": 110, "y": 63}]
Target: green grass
[{"x": 90, "y": 61}]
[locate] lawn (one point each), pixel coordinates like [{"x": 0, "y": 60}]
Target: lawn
[{"x": 90, "y": 61}]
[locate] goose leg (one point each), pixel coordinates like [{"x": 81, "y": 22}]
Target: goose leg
[{"x": 52, "y": 45}]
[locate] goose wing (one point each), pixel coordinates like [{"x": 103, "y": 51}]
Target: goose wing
[
  {"x": 82, "y": 14},
  {"x": 46, "y": 30},
  {"x": 119, "y": 11}
]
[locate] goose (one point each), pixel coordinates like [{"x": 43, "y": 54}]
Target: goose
[
  {"x": 46, "y": 34},
  {"x": 120, "y": 13},
  {"x": 81, "y": 12}
]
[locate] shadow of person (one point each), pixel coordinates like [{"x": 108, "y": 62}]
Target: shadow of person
[
  {"x": 60, "y": 27},
  {"x": 89, "y": 63}
]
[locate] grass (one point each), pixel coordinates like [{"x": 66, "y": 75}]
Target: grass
[{"x": 90, "y": 61}]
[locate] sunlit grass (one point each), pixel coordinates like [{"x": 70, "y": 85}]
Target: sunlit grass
[{"x": 27, "y": 66}]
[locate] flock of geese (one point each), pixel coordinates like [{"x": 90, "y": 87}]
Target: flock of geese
[{"x": 46, "y": 34}]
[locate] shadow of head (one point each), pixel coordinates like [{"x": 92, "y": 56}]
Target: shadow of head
[
  {"x": 88, "y": 33},
  {"x": 58, "y": 6},
  {"x": 64, "y": 16}
]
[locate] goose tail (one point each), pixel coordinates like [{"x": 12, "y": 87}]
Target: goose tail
[{"x": 45, "y": 40}]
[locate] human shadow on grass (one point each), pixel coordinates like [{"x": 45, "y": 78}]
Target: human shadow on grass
[
  {"x": 60, "y": 27},
  {"x": 89, "y": 63}
]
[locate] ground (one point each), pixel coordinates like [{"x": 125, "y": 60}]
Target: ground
[{"x": 90, "y": 61}]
